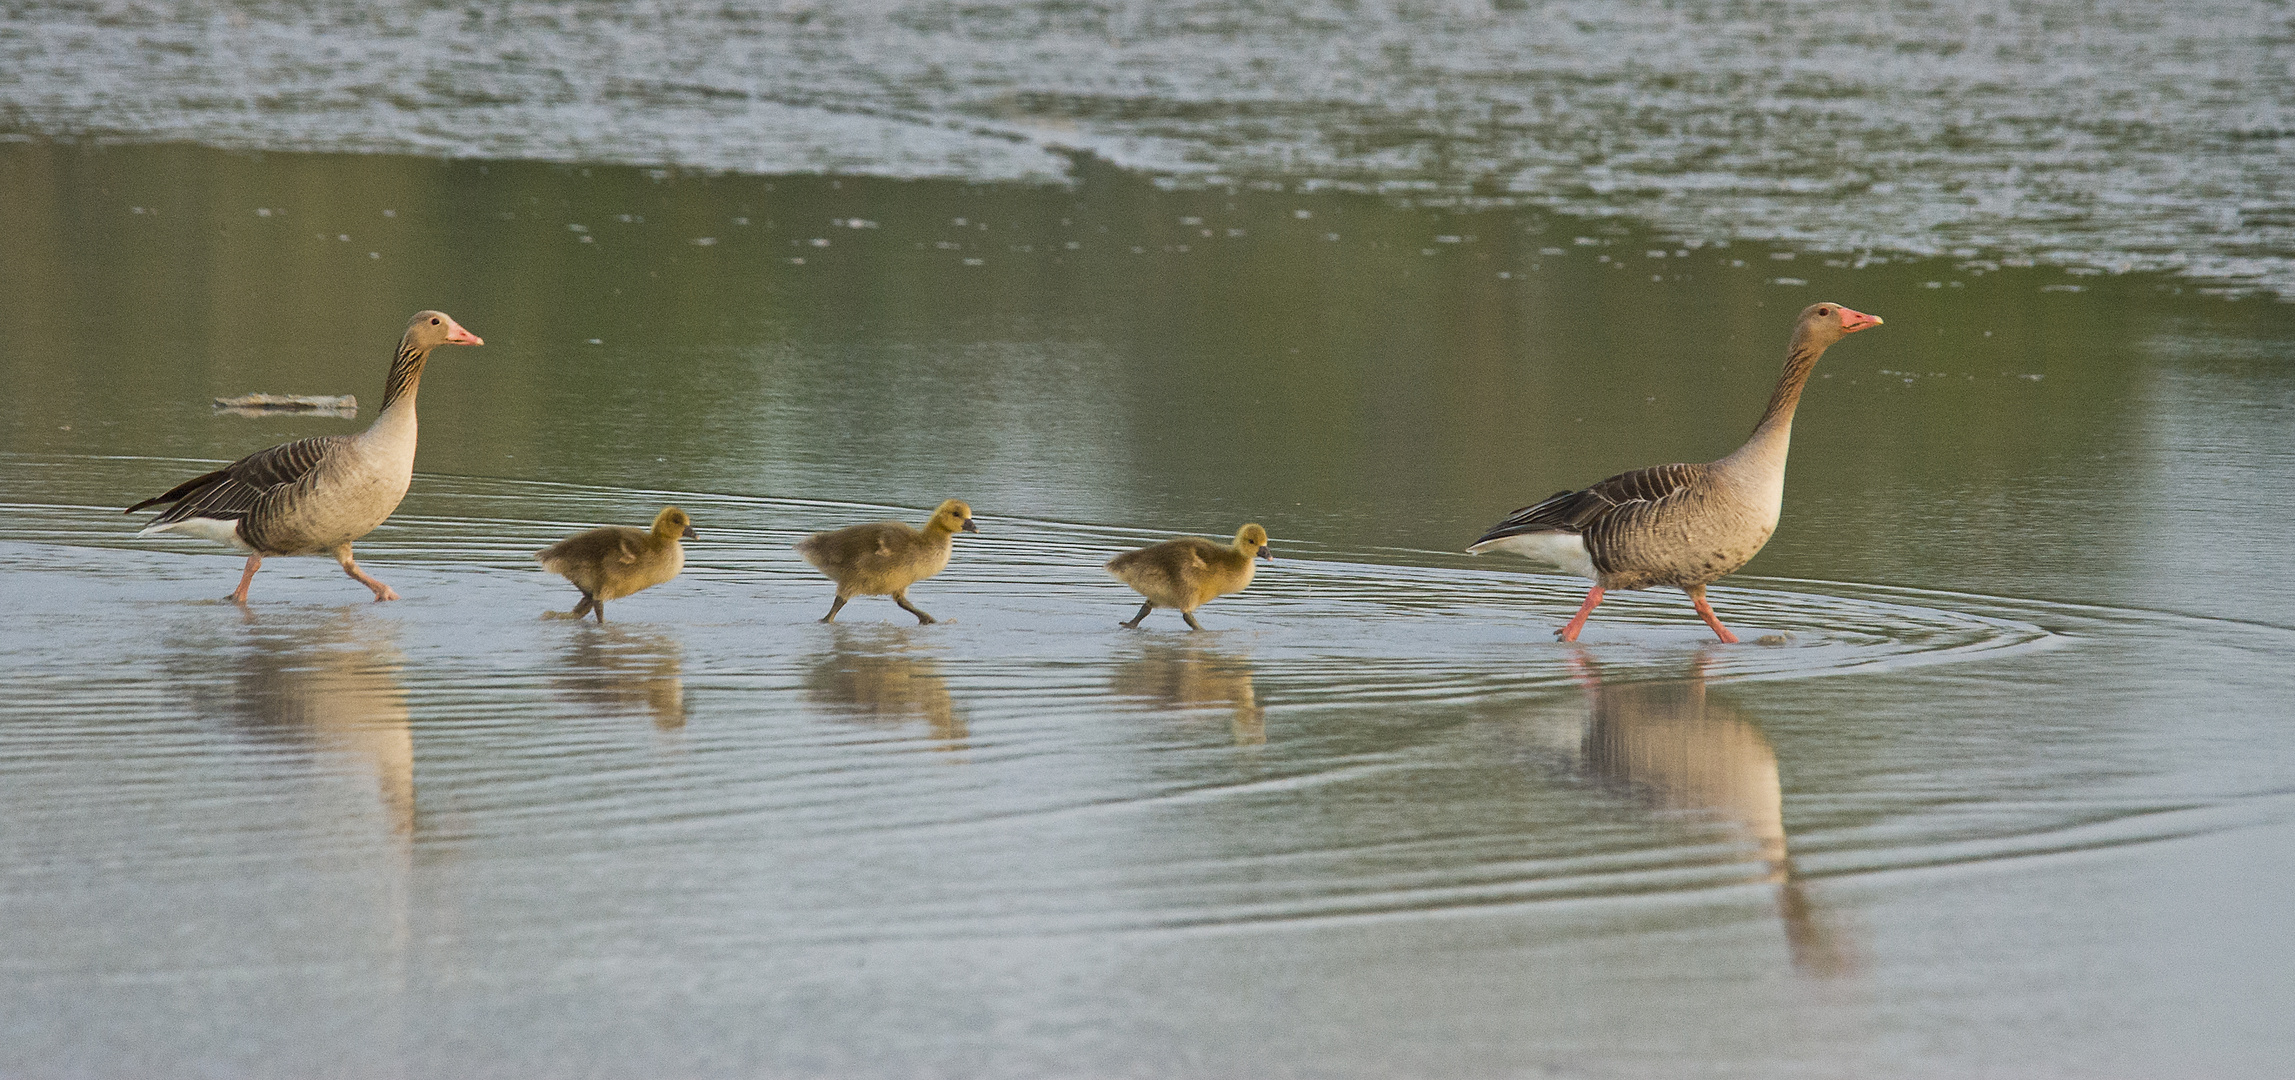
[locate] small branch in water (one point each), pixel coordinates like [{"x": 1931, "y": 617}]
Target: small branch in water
[{"x": 261, "y": 404}]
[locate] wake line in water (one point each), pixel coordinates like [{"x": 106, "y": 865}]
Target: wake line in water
[
  {"x": 1331, "y": 683},
  {"x": 1326, "y": 631}
]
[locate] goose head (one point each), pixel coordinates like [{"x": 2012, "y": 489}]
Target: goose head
[
  {"x": 672, "y": 522},
  {"x": 430, "y": 329},
  {"x": 953, "y": 516},
  {"x": 1824, "y": 323},
  {"x": 1252, "y": 540}
]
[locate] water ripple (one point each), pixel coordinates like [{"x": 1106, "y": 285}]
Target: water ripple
[{"x": 1272, "y": 769}]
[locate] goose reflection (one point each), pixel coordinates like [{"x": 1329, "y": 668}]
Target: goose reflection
[
  {"x": 621, "y": 669},
  {"x": 1191, "y": 675},
  {"x": 874, "y": 672},
  {"x": 333, "y": 681},
  {"x": 1668, "y": 743}
]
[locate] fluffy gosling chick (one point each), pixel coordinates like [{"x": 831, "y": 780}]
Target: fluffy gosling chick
[
  {"x": 886, "y": 557},
  {"x": 1190, "y": 571},
  {"x": 615, "y": 561}
]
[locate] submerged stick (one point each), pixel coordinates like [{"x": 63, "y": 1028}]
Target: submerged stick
[{"x": 250, "y": 404}]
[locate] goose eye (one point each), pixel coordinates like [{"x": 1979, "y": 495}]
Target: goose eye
[
  {"x": 1824, "y": 311},
  {"x": 434, "y": 322}
]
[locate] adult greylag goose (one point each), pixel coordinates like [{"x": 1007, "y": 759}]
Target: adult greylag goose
[
  {"x": 616, "y": 561},
  {"x": 315, "y": 495},
  {"x": 884, "y": 558},
  {"x": 1190, "y": 571},
  {"x": 1680, "y": 525}
]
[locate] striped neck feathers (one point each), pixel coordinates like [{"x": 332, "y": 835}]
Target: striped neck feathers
[
  {"x": 1799, "y": 362},
  {"x": 1774, "y": 433},
  {"x": 405, "y": 374}
]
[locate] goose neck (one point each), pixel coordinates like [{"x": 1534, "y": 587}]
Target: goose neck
[
  {"x": 1773, "y": 435},
  {"x": 1799, "y": 362},
  {"x": 405, "y": 377}
]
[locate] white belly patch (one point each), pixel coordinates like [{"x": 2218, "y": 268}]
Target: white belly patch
[
  {"x": 222, "y": 532},
  {"x": 1560, "y": 549}
]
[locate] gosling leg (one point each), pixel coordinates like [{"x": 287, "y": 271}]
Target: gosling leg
[
  {"x": 581, "y": 608},
  {"x": 599, "y": 606},
  {"x": 922, "y": 619},
  {"x": 1135, "y": 623},
  {"x": 239, "y": 595},
  {"x": 1578, "y": 622},
  {"x": 833, "y": 610},
  {"x": 382, "y": 592},
  {"x": 1705, "y": 611},
  {"x": 1191, "y": 623}
]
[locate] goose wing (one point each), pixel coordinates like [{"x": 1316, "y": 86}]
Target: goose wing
[
  {"x": 878, "y": 549},
  {"x": 856, "y": 548},
  {"x": 1622, "y": 499},
  {"x": 629, "y": 546},
  {"x": 1167, "y": 565},
  {"x": 232, "y": 492},
  {"x": 1198, "y": 559}
]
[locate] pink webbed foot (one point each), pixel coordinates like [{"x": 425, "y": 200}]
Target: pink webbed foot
[
  {"x": 1705, "y": 611},
  {"x": 1569, "y": 632}
]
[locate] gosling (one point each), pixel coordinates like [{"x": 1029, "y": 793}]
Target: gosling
[
  {"x": 615, "y": 561},
  {"x": 885, "y": 558},
  {"x": 1190, "y": 571}
]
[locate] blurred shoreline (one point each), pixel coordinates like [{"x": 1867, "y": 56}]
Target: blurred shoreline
[{"x": 2115, "y": 137}]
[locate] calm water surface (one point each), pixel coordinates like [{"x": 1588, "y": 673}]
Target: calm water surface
[{"x": 2003, "y": 792}]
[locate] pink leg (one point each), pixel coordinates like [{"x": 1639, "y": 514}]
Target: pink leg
[
  {"x": 239, "y": 595},
  {"x": 1705, "y": 611},
  {"x": 382, "y": 592},
  {"x": 1593, "y": 600}
]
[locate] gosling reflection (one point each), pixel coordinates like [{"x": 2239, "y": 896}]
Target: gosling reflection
[
  {"x": 620, "y": 669},
  {"x": 874, "y": 672},
  {"x": 1668, "y": 743},
  {"x": 1190, "y": 675},
  {"x": 334, "y": 680}
]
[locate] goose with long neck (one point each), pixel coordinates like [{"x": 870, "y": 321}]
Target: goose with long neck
[
  {"x": 1681, "y": 525},
  {"x": 315, "y": 496}
]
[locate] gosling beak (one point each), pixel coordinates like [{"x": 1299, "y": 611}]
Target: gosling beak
[
  {"x": 689, "y": 534},
  {"x": 1266, "y": 554},
  {"x": 969, "y": 526},
  {"x": 456, "y": 335},
  {"x": 1853, "y": 321}
]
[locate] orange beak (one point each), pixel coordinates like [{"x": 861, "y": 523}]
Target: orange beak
[
  {"x": 1853, "y": 321},
  {"x": 456, "y": 335}
]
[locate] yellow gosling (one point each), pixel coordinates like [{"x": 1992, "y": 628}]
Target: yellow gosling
[
  {"x": 1190, "y": 571},
  {"x": 616, "y": 561},
  {"x": 886, "y": 557}
]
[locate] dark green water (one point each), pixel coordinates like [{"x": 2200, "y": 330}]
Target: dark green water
[{"x": 2012, "y": 798}]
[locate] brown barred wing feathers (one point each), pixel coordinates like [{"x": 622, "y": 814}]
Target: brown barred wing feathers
[
  {"x": 1656, "y": 485},
  {"x": 233, "y": 491},
  {"x": 1586, "y": 510}
]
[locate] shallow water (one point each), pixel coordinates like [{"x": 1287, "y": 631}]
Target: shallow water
[{"x": 1997, "y": 785}]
